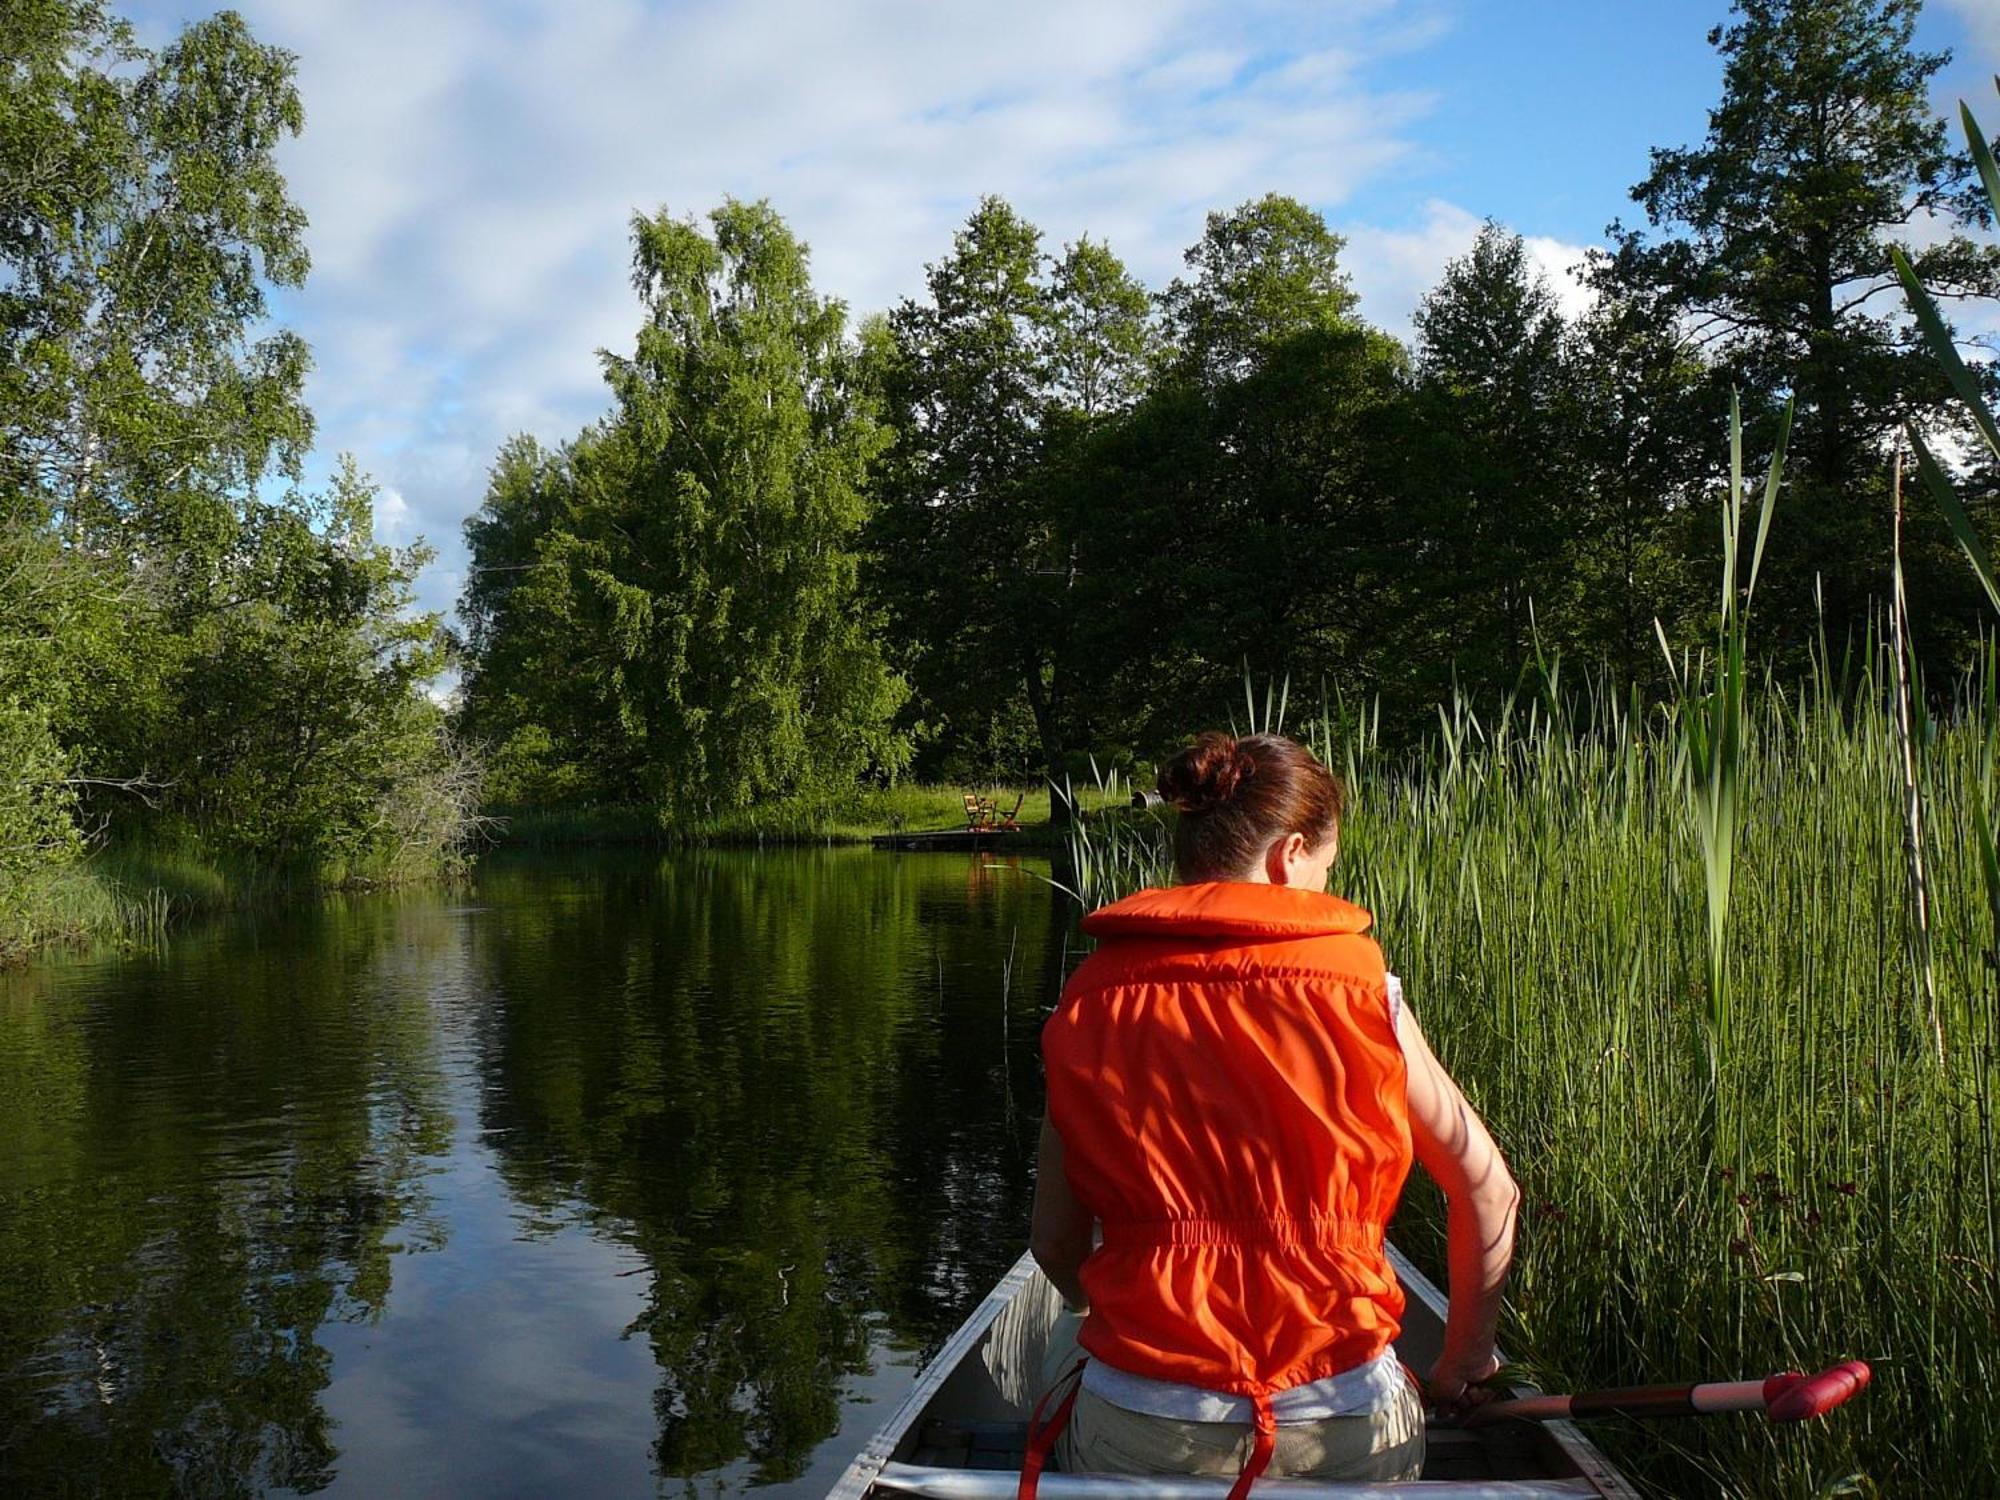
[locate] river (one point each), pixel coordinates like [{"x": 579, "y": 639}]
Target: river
[{"x": 611, "y": 1174}]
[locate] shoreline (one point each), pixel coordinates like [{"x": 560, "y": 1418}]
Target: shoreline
[{"x": 132, "y": 895}]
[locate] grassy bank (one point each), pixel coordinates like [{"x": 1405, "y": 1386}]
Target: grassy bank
[
  {"x": 139, "y": 890},
  {"x": 1795, "y": 1179},
  {"x": 849, "y": 819}
]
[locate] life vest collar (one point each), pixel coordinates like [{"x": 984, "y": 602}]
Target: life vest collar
[{"x": 1227, "y": 909}]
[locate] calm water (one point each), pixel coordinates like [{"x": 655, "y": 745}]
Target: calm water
[{"x": 618, "y": 1175}]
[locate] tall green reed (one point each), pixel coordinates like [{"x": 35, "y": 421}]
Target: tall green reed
[
  {"x": 1543, "y": 888},
  {"x": 1712, "y": 727}
]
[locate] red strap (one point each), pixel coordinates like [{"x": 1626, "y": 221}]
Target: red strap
[
  {"x": 1260, "y": 1450},
  {"x": 1042, "y": 1436}
]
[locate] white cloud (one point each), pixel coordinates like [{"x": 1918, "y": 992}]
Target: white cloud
[
  {"x": 394, "y": 522},
  {"x": 1393, "y": 268},
  {"x": 1562, "y": 264}
]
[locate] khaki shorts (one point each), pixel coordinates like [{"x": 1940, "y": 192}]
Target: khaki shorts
[
  {"x": 1377, "y": 1446},
  {"x": 1383, "y": 1445}
]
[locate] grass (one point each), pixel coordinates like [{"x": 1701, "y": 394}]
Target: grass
[
  {"x": 850, "y": 819},
  {"x": 1724, "y": 976},
  {"x": 1541, "y": 881},
  {"x": 114, "y": 896},
  {"x": 138, "y": 890}
]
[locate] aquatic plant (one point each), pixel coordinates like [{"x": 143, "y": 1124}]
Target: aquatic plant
[{"x": 1578, "y": 890}]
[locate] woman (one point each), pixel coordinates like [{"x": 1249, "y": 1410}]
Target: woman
[{"x": 1235, "y": 1094}]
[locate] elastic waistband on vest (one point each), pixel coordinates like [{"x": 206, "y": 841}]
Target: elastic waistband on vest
[{"x": 1318, "y": 1230}]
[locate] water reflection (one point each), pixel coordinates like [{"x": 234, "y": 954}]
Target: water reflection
[
  {"x": 789, "y": 1096},
  {"x": 207, "y": 1158},
  {"x": 786, "y": 1078}
]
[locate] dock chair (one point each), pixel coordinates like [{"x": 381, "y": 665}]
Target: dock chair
[
  {"x": 1013, "y": 812},
  {"x": 978, "y": 812}
]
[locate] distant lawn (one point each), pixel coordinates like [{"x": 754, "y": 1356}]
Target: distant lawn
[{"x": 850, "y": 819}]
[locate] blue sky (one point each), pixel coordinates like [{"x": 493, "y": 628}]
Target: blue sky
[{"x": 470, "y": 170}]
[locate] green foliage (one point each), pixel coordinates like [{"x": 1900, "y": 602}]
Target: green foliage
[
  {"x": 1647, "y": 412},
  {"x": 1969, "y": 390},
  {"x": 1822, "y": 161},
  {"x": 1101, "y": 507},
  {"x": 668, "y": 608},
  {"x": 186, "y": 644},
  {"x": 38, "y": 835},
  {"x": 1263, "y": 274},
  {"x": 1538, "y": 879},
  {"x": 995, "y": 385},
  {"x": 142, "y": 213},
  {"x": 304, "y": 726},
  {"x": 1497, "y": 495},
  {"x": 1244, "y": 511}
]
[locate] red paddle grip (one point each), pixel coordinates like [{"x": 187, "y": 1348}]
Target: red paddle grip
[{"x": 1793, "y": 1398}]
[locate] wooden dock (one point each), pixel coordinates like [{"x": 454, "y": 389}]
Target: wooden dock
[{"x": 945, "y": 840}]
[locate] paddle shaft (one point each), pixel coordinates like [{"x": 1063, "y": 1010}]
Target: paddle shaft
[{"x": 1782, "y": 1398}]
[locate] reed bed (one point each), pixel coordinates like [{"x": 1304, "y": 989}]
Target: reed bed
[{"x": 1795, "y": 1177}]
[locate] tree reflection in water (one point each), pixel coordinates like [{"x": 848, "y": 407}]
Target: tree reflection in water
[
  {"x": 207, "y": 1156},
  {"x": 803, "y": 1084}
]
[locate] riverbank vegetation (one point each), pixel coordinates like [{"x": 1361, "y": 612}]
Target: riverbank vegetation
[
  {"x": 1723, "y": 972},
  {"x": 211, "y": 676},
  {"x": 846, "y": 818}
]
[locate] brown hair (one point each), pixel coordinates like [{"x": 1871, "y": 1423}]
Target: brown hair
[{"x": 1238, "y": 797}]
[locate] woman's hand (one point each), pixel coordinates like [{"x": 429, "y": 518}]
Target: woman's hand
[{"x": 1453, "y": 1387}]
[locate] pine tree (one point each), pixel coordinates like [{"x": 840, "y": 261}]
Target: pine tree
[{"x": 1822, "y": 154}]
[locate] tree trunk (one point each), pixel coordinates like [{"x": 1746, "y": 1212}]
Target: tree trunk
[{"x": 1042, "y": 703}]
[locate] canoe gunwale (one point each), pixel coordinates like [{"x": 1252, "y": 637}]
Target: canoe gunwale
[
  {"x": 1566, "y": 1435},
  {"x": 878, "y": 1450}
]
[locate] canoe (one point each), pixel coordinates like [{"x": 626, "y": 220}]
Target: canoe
[{"x": 960, "y": 1433}]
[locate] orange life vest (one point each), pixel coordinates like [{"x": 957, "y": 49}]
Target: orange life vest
[{"x": 1232, "y": 1102}]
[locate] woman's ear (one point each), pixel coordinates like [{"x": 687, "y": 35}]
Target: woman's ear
[{"x": 1281, "y": 856}]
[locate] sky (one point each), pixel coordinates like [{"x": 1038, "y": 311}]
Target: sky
[{"x": 470, "y": 170}]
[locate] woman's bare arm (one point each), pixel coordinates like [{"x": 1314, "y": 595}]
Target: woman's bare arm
[
  {"x": 1060, "y": 1236},
  {"x": 1453, "y": 1144}
]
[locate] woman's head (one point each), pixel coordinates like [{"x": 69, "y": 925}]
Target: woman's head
[{"x": 1259, "y": 808}]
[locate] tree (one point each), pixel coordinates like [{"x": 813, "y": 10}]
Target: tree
[
  {"x": 1495, "y": 517},
  {"x": 1100, "y": 338},
  {"x": 243, "y": 656},
  {"x": 1263, "y": 273},
  {"x": 141, "y": 214},
  {"x": 1822, "y": 155},
  {"x": 994, "y": 384},
  {"x": 684, "y": 576},
  {"x": 1241, "y": 507},
  {"x": 548, "y": 712},
  {"x": 1650, "y": 437},
  {"x": 1101, "y": 344},
  {"x": 304, "y": 731}
]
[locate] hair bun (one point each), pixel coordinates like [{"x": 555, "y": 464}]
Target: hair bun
[{"x": 1207, "y": 773}]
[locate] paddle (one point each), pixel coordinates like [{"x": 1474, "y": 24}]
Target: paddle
[{"x": 1782, "y": 1398}]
